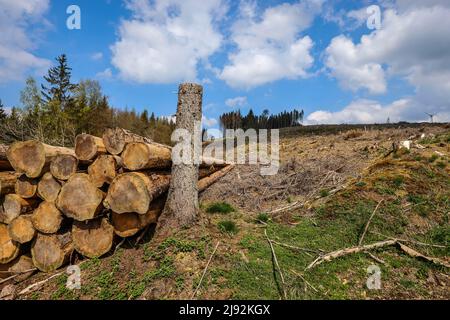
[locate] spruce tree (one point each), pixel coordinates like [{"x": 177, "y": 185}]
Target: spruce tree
[
  {"x": 2, "y": 112},
  {"x": 59, "y": 87}
]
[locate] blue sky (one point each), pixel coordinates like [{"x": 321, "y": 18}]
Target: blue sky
[{"x": 316, "y": 55}]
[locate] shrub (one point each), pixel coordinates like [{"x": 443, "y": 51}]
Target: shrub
[
  {"x": 220, "y": 207},
  {"x": 228, "y": 226}
]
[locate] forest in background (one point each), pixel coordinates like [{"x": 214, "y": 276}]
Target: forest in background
[{"x": 56, "y": 111}]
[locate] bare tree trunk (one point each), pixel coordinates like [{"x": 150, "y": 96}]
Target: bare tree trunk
[{"x": 181, "y": 208}]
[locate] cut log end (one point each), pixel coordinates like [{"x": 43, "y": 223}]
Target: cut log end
[
  {"x": 48, "y": 188},
  {"x": 9, "y": 249},
  {"x": 103, "y": 170},
  {"x": 79, "y": 198},
  {"x": 47, "y": 218},
  {"x": 49, "y": 252},
  {"x": 128, "y": 193},
  {"x": 140, "y": 156},
  {"x": 63, "y": 166},
  {"x": 87, "y": 147},
  {"x": 93, "y": 238},
  {"x": 26, "y": 187},
  {"x": 27, "y": 157},
  {"x": 14, "y": 205},
  {"x": 21, "y": 229}
]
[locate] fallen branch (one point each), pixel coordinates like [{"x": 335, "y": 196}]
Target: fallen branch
[
  {"x": 343, "y": 252},
  {"x": 303, "y": 278},
  {"x": 277, "y": 264},
  {"x": 204, "y": 271},
  {"x": 410, "y": 241},
  {"x": 37, "y": 285},
  {"x": 368, "y": 223},
  {"x": 413, "y": 253},
  {"x": 16, "y": 275}
]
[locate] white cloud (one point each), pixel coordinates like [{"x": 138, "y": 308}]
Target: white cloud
[
  {"x": 236, "y": 102},
  {"x": 209, "y": 122},
  {"x": 413, "y": 44},
  {"x": 16, "y": 40},
  {"x": 97, "y": 56},
  {"x": 370, "y": 111},
  {"x": 269, "y": 47},
  {"x": 105, "y": 74},
  {"x": 165, "y": 40}
]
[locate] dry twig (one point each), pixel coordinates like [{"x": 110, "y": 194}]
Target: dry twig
[
  {"x": 204, "y": 271},
  {"x": 368, "y": 222},
  {"x": 277, "y": 264}
]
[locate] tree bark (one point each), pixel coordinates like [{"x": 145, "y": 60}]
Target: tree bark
[
  {"x": 116, "y": 139},
  {"x": 181, "y": 208},
  {"x": 48, "y": 188},
  {"x": 63, "y": 166},
  {"x": 93, "y": 238},
  {"x": 14, "y": 205},
  {"x": 26, "y": 187},
  {"x": 21, "y": 229},
  {"x": 33, "y": 157},
  {"x": 47, "y": 218},
  {"x": 141, "y": 156},
  {"x": 9, "y": 249},
  {"x": 79, "y": 198},
  {"x": 104, "y": 170},
  {"x": 8, "y": 182},
  {"x": 49, "y": 252},
  {"x": 88, "y": 147}
]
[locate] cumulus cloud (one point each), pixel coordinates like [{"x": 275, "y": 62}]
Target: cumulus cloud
[
  {"x": 413, "y": 44},
  {"x": 209, "y": 122},
  {"x": 236, "y": 102},
  {"x": 16, "y": 41},
  {"x": 105, "y": 74},
  {"x": 165, "y": 40},
  {"x": 269, "y": 47},
  {"x": 97, "y": 56}
]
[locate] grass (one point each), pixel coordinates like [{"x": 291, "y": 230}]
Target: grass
[
  {"x": 262, "y": 217},
  {"x": 220, "y": 207},
  {"x": 227, "y": 226},
  {"x": 338, "y": 224}
]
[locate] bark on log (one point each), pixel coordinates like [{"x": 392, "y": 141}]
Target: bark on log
[
  {"x": 87, "y": 147},
  {"x": 63, "y": 166},
  {"x": 104, "y": 170},
  {"x": 208, "y": 181},
  {"x": 49, "y": 252},
  {"x": 26, "y": 187},
  {"x": 134, "y": 191},
  {"x": 141, "y": 156},
  {"x": 8, "y": 182},
  {"x": 128, "y": 224},
  {"x": 181, "y": 208},
  {"x": 14, "y": 205},
  {"x": 47, "y": 218},
  {"x": 116, "y": 139},
  {"x": 9, "y": 249},
  {"x": 4, "y": 162},
  {"x": 48, "y": 188},
  {"x": 33, "y": 157},
  {"x": 21, "y": 229},
  {"x": 79, "y": 198},
  {"x": 93, "y": 238}
]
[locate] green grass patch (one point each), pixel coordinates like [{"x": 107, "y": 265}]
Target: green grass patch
[
  {"x": 227, "y": 226},
  {"x": 220, "y": 207}
]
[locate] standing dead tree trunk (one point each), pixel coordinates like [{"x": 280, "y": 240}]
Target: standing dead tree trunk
[{"x": 181, "y": 208}]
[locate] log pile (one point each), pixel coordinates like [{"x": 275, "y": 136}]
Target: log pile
[{"x": 55, "y": 201}]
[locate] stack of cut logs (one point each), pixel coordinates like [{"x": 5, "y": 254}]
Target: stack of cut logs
[{"x": 54, "y": 200}]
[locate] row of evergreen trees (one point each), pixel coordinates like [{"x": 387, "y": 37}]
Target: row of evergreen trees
[
  {"x": 235, "y": 120},
  {"x": 59, "y": 110}
]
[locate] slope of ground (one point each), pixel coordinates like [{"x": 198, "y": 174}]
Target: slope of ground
[{"x": 342, "y": 178}]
